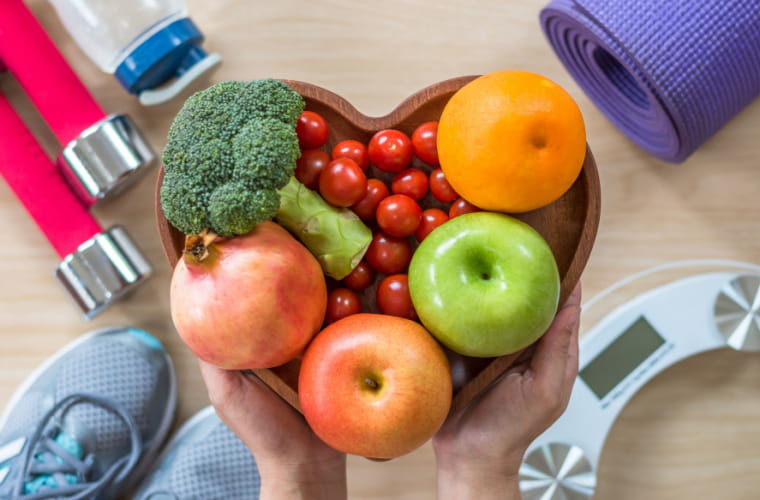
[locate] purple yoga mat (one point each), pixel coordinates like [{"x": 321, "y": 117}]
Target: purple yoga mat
[{"x": 668, "y": 73}]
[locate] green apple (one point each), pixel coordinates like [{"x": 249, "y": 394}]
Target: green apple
[{"x": 484, "y": 284}]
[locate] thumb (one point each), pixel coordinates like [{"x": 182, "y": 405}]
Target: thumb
[{"x": 557, "y": 349}]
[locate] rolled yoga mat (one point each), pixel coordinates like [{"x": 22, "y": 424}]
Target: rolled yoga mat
[{"x": 668, "y": 73}]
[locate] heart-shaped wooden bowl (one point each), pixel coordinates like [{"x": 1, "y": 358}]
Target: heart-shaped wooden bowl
[{"x": 569, "y": 224}]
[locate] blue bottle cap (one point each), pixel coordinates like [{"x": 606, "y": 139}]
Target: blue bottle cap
[{"x": 170, "y": 53}]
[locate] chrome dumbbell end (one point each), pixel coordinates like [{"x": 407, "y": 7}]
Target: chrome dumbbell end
[
  {"x": 103, "y": 269},
  {"x": 105, "y": 159}
]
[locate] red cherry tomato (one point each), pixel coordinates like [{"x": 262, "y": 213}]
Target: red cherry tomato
[
  {"x": 388, "y": 255},
  {"x": 424, "y": 140},
  {"x": 360, "y": 278},
  {"x": 462, "y": 206},
  {"x": 342, "y": 183},
  {"x": 310, "y": 165},
  {"x": 411, "y": 182},
  {"x": 390, "y": 150},
  {"x": 398, "y": 215},
  {"x": 393, "y": 297},
  {"x": 431, "y": 219},
  {"x": 312, "y": 130},
  {"x": 354, "y": 150},
  {"x": 366, "y": 207},
  {"x": 342, "y": 302},
  {"x": 440, "y": 187}
]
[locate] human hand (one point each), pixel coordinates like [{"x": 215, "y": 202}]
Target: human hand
[
  {"x": 480, "y": 449},
  {"x": 293, "y": 462}
]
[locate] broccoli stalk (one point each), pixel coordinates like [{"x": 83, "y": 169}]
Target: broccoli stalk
[
  {"x": 229, "y": 162},
  {"x": 316, "y": 223}
]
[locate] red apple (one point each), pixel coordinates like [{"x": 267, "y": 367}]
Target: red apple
[
  {"x": 375, "y": 385},
  {"x": 253, "y": 301}
]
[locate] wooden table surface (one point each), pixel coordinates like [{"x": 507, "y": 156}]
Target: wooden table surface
[{"x": 693, "y": 432}]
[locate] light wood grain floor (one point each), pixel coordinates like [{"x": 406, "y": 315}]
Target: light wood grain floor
[{"x": 692, "y": 433}]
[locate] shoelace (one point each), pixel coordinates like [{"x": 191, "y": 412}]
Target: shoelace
[{"x": 42, "y": 443}]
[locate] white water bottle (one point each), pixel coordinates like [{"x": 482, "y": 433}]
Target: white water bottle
[{"x": 151, "y": 46}]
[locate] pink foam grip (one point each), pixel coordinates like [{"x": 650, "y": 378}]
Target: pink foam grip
[
  {"x": 28, "y": 52},
  {"x": 39, "y": 186}
]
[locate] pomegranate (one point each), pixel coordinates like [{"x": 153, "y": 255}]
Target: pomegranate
[{"x": 253, "y": 301}]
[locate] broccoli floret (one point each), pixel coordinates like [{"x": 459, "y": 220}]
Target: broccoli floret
[
  {"x": 264, "y": 155},
  {"x": 180, "y": 191},
  {"x": 274, "y": 99},
  {"x": 237, "y": 138},
  {"x": 238, "y": 208}
]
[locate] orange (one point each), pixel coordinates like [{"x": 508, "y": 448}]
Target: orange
[{"x": 511, "y": 141}]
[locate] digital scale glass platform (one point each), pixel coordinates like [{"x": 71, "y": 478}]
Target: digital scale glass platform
[{"x": 716, "y": 305}]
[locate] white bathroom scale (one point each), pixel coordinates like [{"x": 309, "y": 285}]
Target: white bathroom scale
[{"x": 625, "y": 349}]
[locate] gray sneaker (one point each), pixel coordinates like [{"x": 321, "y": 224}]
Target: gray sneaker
[
  {"x": 203, "y": 461},
  {"x": 89, "y": 421}
]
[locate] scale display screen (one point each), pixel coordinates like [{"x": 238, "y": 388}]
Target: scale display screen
[{"x": 621, "y": 357}]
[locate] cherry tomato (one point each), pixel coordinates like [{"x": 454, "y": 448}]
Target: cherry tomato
[
  {"x": 312, "y": 130},
  {"x": 365, "y": 208},
  {"x": 393, "y": 297},
  {"x": 388, "y": 255},
  {"x": 440, "y": 187},
  {"x": 462, "y": 206},
  {"x": 342, "y": 183},
  {"x": 424, "y": 140},
  {"x": 354, "y": 150},
  {"x": 360, "y": 278},
  {"x": 310, "y": 165},
  {"x": 431, "y": 219},
  {"x": 398, "y": 215},
  {"x": 342, "y": 302},
  {"x": 412, "y": 182},
  {"x": 390, "y": 150}
]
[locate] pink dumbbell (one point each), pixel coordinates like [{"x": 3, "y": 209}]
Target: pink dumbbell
[
  {"x": 101, "y": 155},
  {"x": 97, "y": 267}
]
